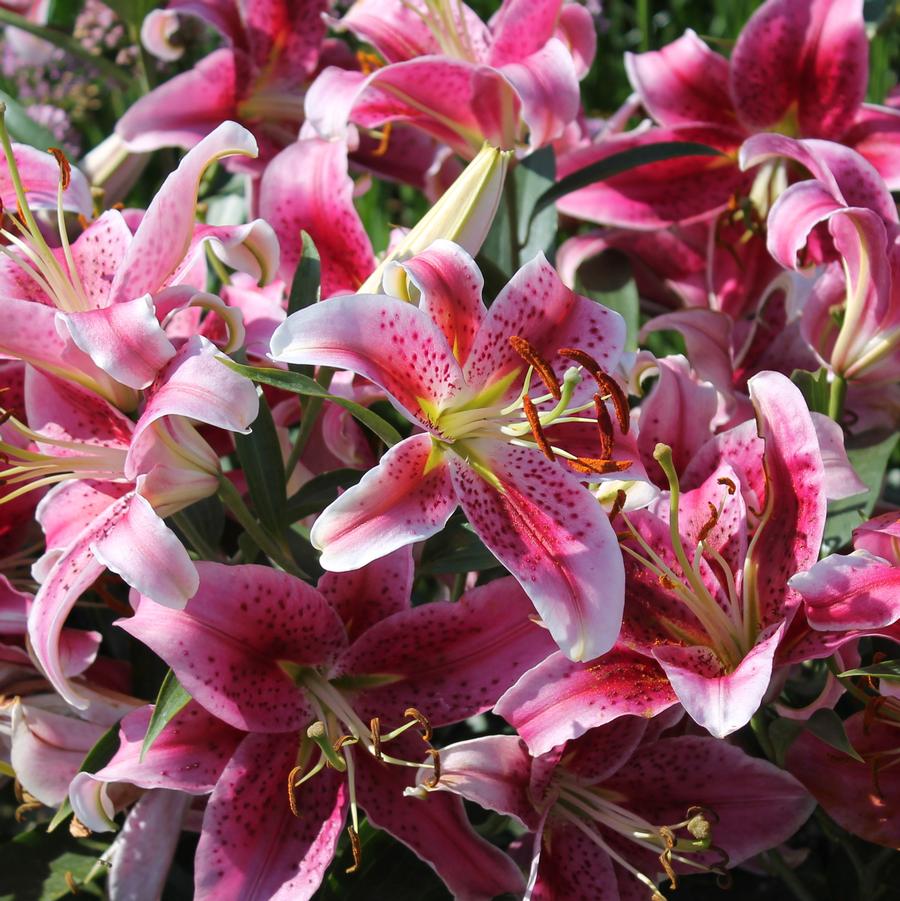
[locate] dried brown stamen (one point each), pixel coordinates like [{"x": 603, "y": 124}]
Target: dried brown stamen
[
  {"x": 344, "y": 740},
  {"x": 537, "y": 429},
  {"x": 618, "y": 504},
  {"x": 71, "y": 883},
  {"x": 433, "y": 780},
  {"x": 292, "y": 798},
  {"x": 65, "y": 169},
  {"x": 597, "y": 466},
  {"x": 384, "y": 141},
  {"x": 421, "y": 719},
  {"x": 544, "y": 370},
  {"x": 710, "y": 523},
  {"x": 605, "y": 427},
  {"x": 375, "y": 730},
  {"x": 609, "y": 387},
  {"x": 665, "y": 859},
  {"x": 728, "y": 484},
  {"x": 356, "y": 848},
  {"x": 77, "y": 829}
]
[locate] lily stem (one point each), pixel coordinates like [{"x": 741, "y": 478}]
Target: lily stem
[
  {"x": 512, "y": 215},
  {"x": 204, "y": 549},
  {"x": 836, "y": 398},
  {"x": 311, "y": 410},
  {"x": 761, "y": 731},
  {"x": 778, "y": 866},
  {"x": 231, "y": 497}
]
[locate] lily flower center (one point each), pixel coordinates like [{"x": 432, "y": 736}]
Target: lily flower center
[
  {"x": 590, "y": 808},
  {"x": 446, "y": 21},
  {"x": 26, "y": 470},
  {"x": 524, "y": 422},
  {"x": 730, "y": 632},
  {"x": 337, "y": 730},
  {"x": 25, "y": 243}
]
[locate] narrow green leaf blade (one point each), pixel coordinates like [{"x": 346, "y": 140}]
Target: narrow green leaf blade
[
  {"x": 23, "y": 128},
  {"x": 608, "y": 279},
  {"x": 886, "y": 669},
  {"x": 320, "y": 491},
  {"x": 305, "y": 288},
  {"x": 261, "y": 460},
  {"x": 171, "y": 700},
  {"x": 621, "y": 162},
  {"x": 828, "y": 726},
  {"x": 302, "y": 384}
]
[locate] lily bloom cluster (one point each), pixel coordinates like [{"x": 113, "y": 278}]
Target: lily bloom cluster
[{"x": 311, "y": 527}]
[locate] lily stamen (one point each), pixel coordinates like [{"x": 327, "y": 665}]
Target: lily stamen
[
  {"x": 536, "y": 428},
  {"x": 544, "y": 370}
]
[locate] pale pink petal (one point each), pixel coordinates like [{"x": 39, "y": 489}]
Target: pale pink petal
[
  {"x": 225, "y": 646},
  {"x": 164, "y": 235},
  {"x": 449, "y": 286},
  {"x": 857, "y": 591},
  {"x": 679, "y": 412},
  {"x": 437, "y": 830},
  {"x": 576, "y": 29},
  {"x": 559, "y": 700},
  {"x": 47, "y": 750},
  {"x": 362, "y": 597},
  {"x": 142, "y": 852},
  {"x": 789, "y": 536},
  {"x": 520, "y": 28},
  {"x": 72, "y": 573},
  {"x": 813, "y": 54},
  {"x": 186, "y": 108},
  {"x": 553, "y": 536},
  {"x": 880, "y": 536},
  {"x": 251, "y": 248},
  {"x": 265, "y": 852},
  {"x": 320, "y": 203},
  {"x": 547, "y": 86},
  {"x": 386, "y": 340},
  {"x": 601, "y": 752},
  {"x": 40, "y": 176},
  {"x": 719, "y": 700},
  {"x": 188, "y": 755},
  {"x": 537, "y": 306},
  {"x": 682, "y": 83},
  {"x": 841, "y": 480},
  {"x": 148, "y": 555},
  {"x": 875, "y": 134},
  {"x": 407, "y": 497},
  {"x": 98, "y": 252},
  {"x": 449, "y": 660},
  {"x": 793, "y": 216},
  {"x": 63, "y": 510},
  {"x": 125, "y": 340},
  {"x": 493, "y": 772}
]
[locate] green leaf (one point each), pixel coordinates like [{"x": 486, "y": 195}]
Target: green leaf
[
  {"x": 62, "y": 14},
  {"x": 869, "y": 455},
  {"x": 456, "y": 549},
  {"x": 23, "y": 128},
  {"x": 306, "y": 286},
  {"x": 96, "y": 758},
  {"x": 171, "y": 699},
  {"x": 621, "y": 162},
  {"x": 814, "y": 387},
  {"x": 828, "y": 726},
  {"x": 608, "y": 279},
  {"x": 320, "y": 491},
  {"x": 261, "y": 460},
  {"x": 886, "y": 669},
  {"x": 34, "y": 866},
  {"x": 298, "y": 383},
  {"x": 132, "y": 12}
]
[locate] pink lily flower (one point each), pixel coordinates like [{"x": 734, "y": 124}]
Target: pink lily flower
[
  {"x": 799, "y": 68},
  {"x": 338, "y": 675},
  {"x": 707, "y": 595},
  {"x": 457, "y": 79},
  {"x": 621, "y": 808},
  {"x": 258, "y": 79},
  {"x": 118, "y": 480},
  {"x": 92, "y": 311},
  {"x": 463, "y": 374},
  {"x": 848, "y": 197}
]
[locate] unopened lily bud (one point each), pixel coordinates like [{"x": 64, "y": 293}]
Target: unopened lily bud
[{"x": 463, "y": 215}]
